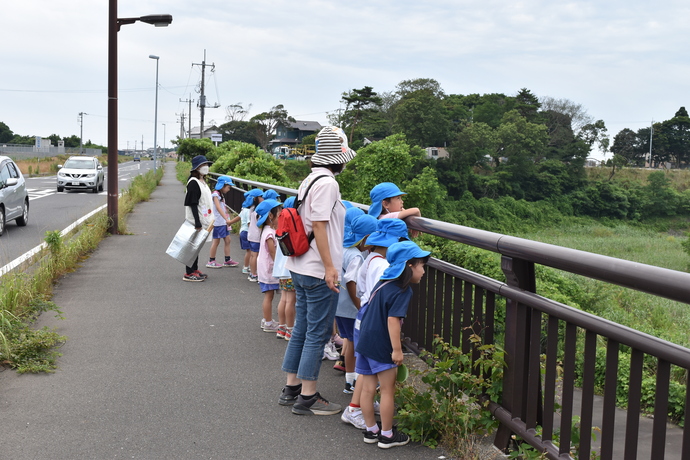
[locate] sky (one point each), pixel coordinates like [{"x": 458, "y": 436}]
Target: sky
[{"x": 627, "y": 62}]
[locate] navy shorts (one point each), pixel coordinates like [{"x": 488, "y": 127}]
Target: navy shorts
[
  {"x": 220, "y": 232},
  {"x": 254, "y": 247},
  {"x": 244, "y": 242},
  {"x": 346, "y": 328}
]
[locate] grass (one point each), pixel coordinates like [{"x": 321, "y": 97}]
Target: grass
[
  {"x": 680, "y": 178},
  {"x": 47, "y": 166},
  {"x": 24, "y": 296}
]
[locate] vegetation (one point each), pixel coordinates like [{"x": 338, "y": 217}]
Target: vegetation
[{"x": 23, "y": 296}]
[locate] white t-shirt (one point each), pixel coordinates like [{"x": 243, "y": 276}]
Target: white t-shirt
[
  {"x": 369, "y": 274},
  {"x": 321, "y": 205},
  {"x": 244, "y": 219},
  {"x": 253, "y": 232}
]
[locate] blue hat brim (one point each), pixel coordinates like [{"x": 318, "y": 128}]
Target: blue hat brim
[
  {"x": 395, "y": 270},
  {"x": 382, "y": 239},
  {"x": 375, "y": 208}
]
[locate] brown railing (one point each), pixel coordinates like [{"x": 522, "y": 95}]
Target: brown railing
[{"x": 454, "y": 303}]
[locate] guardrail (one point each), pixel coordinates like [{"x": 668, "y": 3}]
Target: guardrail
[{"x": 454, "y": 303}]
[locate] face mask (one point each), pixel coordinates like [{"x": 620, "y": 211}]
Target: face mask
[{"x": 203, "y": 170}]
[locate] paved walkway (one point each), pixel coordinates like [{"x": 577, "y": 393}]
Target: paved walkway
[{"x": 156, "y": 368}]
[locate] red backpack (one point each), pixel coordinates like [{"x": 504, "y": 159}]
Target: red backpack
[{"x": 291, "y": 235}]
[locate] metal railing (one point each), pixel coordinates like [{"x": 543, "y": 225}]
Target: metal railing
[{"x": 540, "y": 338}]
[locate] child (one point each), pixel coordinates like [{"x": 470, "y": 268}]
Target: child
[
  {"x": 379, "y": 349},
  {"x": 387, "y": 202},
  {"x": 221, "y": 224},
  {"x": 254, "y": 237},
  {"x": 348, "y": 303},
  {"x": 388, "y": 232},
  {"x": 286, "y": 305},
  {"x": 245, "y": 219},
  {"x": 267, "y": 221}
]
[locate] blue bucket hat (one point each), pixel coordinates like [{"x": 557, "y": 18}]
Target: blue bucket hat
[
  {"x": 249, "y": 197},
  {"x": 381, "y": 192},
  {"x": 200, "y": 160},
  {"x": 270, "y": 194},
  {"x": 290, "y": 202},
  {"x": 360, "y": 227},
  {"x": 350, "y": 214},
  {"x": 263, "y": 208},
  {"x": 347, "y": 204},
  {"x": 223, "y": 181},
  {"x": 388, "y": 232},
  {"x": 397, "y": 256}
]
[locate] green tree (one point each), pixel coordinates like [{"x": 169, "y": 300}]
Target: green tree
[
  {"x": 421, "y": 116},
  {"x": 6, "y": 133},
  {"x": 626, "y": 144},
  {"x": 357, "y": 101},
  {"x": 238, "y": 130},
  {"x": 675, "y": 137},
  {"x": 527, "y": 105},
  {"x": 71, "y": 142},
  {"x": 189, "y": 148},
  {"x": 425, "y": 192},
  {"x": 265, "y": 124}
]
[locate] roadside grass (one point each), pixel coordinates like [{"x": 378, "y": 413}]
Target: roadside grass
[{"x": 24, "y": 296}]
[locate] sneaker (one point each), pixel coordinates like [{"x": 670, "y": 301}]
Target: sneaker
[
  {"x": 315, "y": 406},
  {"x": 289, "y": 396},
  {"x": 192, "y": 277},
  {"x": 253, "y": 279},
  {"x": 230, "y": 263},
  {"x": 349, "y": 388},
  {"x": 213, "y": 264},
  {"x": 288, "y": 333},
  {"x": 397, "y": 439},
  {"x": 280, "y": 332},
  {"x": 201, "y": 275},
  {"x": 270, "y": 326},
  {"x": 245, "y": 270},
  {"x": 329, "y": 352},
  {"x": 263, "y": 321},
  {"x": 339, "y": 366},
  {"x": 355, "y": 418},
  {"x": 370, "y": 437}
]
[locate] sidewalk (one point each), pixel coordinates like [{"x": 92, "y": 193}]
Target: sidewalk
[{"x": 156, "y": 368}]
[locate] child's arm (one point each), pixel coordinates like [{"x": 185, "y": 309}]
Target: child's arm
[
  {"x": 271, "y": 247},
  {"x": 234, "y": 219},
  {"x": 394, "y": 333},
  {"x": 352, "y": 291},
  {"x": 409, "y": 212}
]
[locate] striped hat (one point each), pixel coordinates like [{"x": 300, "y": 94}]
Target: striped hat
[{"x": 332, "y": 148}]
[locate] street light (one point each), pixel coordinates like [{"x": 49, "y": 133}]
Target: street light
[
  {"x": 158, "y": 20},
  {"x": 164, "y": 152},
  {"x": 155, "y": 116}
]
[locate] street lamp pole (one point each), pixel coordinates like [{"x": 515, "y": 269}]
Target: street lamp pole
[
  {"x": 155, "y": 116},
  {"x": 114, "y": 23},
  {"x": 164, "y": 152}
]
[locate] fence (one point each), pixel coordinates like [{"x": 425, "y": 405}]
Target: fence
[
  {"x": 454, "y": 303},
  {"x": 24, "y": 152}
]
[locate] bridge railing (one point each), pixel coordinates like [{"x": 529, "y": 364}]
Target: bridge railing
[{"x": 540, "y": 337}]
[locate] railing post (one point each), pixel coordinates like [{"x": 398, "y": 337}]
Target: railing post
[{"x": 519, "y": 273}]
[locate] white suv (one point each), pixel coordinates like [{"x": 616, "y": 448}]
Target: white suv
[
  {"x": 81, "y": 173},
  {"x": 14, "y": 199}
]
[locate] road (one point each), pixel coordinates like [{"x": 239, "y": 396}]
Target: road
[{"x": 50, "y": 210}]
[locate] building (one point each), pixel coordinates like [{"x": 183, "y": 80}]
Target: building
[
  {"x": 436, "y": 152},
  {"x": 292, "y": 133},
  {"x": 208, "y": 131}
]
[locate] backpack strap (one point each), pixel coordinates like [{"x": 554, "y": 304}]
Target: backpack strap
[
  {"x": 377, "y": 290},
  {"x": 299, "y": 202}
]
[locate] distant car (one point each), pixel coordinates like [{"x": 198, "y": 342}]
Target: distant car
[
  {"x": 137, "y": 158},
  {"x": 14, "y": 199},
  {"x": 81, "y": 173}
]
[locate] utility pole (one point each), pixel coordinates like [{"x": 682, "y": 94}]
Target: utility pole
[
  {"x": 182, "y": 117},
  {"x": 81, "y": 131},
  {"x": 651, "y": 133},
  {"x": 189, "y": 132},
  {"x": 202, "y": 96}
]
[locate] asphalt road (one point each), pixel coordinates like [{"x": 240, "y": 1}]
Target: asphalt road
[{"x": 50, "y": 210}]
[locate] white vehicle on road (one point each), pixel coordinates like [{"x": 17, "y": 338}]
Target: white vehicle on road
[{"x": 81, "y": 173}]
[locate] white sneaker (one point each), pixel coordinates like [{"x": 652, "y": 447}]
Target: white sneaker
[
  {"x": 329, "y": 352},
  {"x": 354, "y": 417},
  {"x": 270, "y": 326},
  {"x": 263, "y": 321}
]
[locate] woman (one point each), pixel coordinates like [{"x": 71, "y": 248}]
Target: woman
[
  {"x": 198, "y": 204},
  {"x": 316, "y": 275}
]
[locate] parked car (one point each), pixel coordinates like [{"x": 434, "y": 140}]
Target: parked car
[
  {"x": 14, "y": 199},
  {"x": 137, "y": 157},
  {"x": 81, "y": 173}
]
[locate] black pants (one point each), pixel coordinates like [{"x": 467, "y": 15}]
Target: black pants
[{"x": 194, "y": 267}]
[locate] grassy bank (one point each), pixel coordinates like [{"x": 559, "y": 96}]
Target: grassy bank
[{"x": 24, "y": 296}]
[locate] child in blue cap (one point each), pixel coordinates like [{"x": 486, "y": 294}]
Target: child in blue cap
[
  {"x": 379, "y": 349},
  {"x": 254, "y": 237},
  {"x": 286, "y": 305},
  {"x": 387, "y": 203},
  {"x": 248, "y": 206},
  {"x": 221, "y": 224},
  {"x": 267, "y": 220}
]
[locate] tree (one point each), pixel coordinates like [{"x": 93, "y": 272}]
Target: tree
[
  {"x": 527, "y": 105},
  {"x": 236, "y": 112},
  {"x": 71, "y": 142},
  {"x": 6, "y": 133},
  {"x": 626, "y": 144},
  {"x": 238, "y": 130},
  {"x": 675, "y": 137},
  {"x": 576, "y": 113},
  {"x": 189, "y": 148},
  {"x": 265, "y": 123},
  {"x": 595, "y": 134},
  {"x": 421, "y": 115},
  {"x": 358, "y": 100}
]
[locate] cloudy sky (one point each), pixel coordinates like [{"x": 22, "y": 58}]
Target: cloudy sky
[{"x": 627, "y": 62}]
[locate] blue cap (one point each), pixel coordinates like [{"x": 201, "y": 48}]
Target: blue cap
[
  {"x": 360, "y": 227},
  {"x": 350, "y": 214},
  {"x": 263, "y": 208},
  {"x": 199, "y": 160},
  {"x": 397, "y": 256},
  {"x": 223, "y": 181},
  {"x": 381, "y": 192},
  {"x": 250, "y": 195},
  {"x": 290, "y": 202},
  {"x": 270, "y": 194},
  {"x": 347, "y": 204},
  {"x": 388, "y": 232}
]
